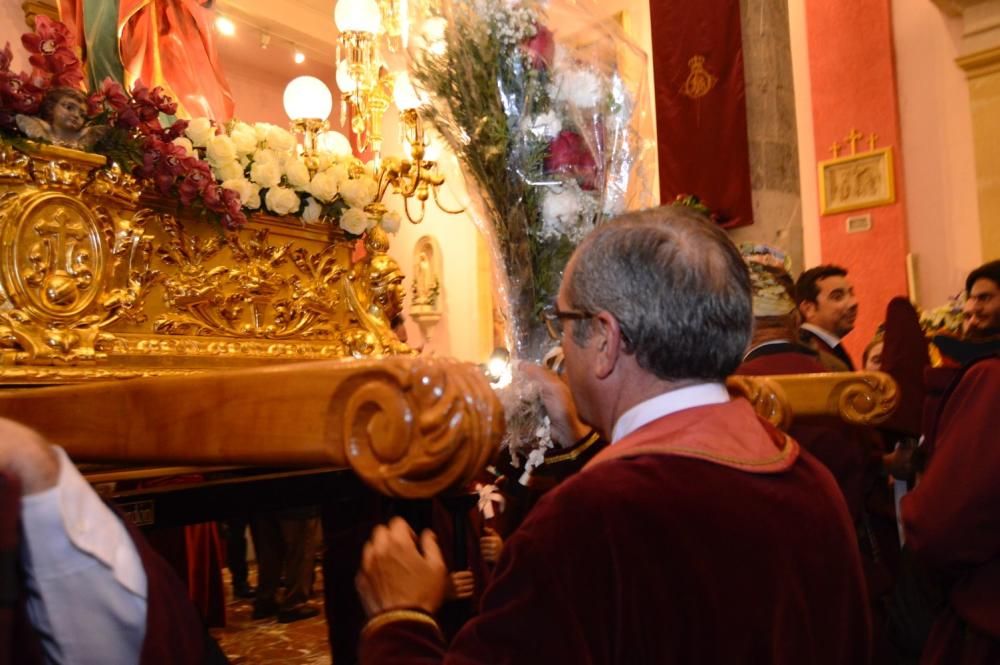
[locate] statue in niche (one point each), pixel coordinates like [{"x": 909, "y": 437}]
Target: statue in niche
[
  {"x": 426, "y": 288},
  {"x": 62, "y": 121}
]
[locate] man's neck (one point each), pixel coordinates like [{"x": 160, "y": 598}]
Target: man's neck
[{"x": 832, "y": 339}]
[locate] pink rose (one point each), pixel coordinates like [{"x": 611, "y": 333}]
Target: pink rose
[
  {"x": 569, "y": 155},
  {"x": 541, "y": 48}
]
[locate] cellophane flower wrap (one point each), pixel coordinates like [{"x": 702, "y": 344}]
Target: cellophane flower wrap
[{"x": 544, "y": 105}]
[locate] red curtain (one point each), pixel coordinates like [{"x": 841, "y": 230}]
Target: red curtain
[{"x": 701, "y": 119}]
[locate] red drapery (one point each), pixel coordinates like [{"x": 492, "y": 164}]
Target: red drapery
[{"x": 701, "y": 119}]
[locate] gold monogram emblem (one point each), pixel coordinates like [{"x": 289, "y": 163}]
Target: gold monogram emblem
[{"x": 700, "y": 81}]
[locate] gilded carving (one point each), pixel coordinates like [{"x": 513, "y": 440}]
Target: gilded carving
[{"x": 93, "y": 273}]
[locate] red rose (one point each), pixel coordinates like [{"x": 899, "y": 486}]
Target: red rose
[
  {"x": 569, "y": 155},
  {"x": 541, "y": 48}
]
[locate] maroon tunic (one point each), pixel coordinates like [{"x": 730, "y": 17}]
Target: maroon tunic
[
  {"x": 670, "y": 558},
  {"x": 952, "y": 520}
]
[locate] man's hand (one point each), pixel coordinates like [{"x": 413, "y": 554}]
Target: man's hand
[
  {"x": 461, "y": 584},
  {"x": 26, "y": 455},
  {"x": 490, "y": 546},
  {"x": 567, "y": 428},
  {"x": 395, "y": 575}
]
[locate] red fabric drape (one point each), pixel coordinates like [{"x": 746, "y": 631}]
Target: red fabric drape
[
  {"x": 701, "y": 119},
  {"x": 170, "y": 43}
]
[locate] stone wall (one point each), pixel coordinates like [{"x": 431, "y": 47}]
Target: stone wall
[{"x": 774, "y": 157}]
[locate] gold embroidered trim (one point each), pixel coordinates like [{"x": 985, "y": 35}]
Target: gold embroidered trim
[
  {"x": 589, "y": 441},
  {"x": 392, "y": 616}
]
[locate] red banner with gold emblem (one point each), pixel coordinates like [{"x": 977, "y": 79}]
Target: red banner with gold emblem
[{"x": 701, "y": 119}]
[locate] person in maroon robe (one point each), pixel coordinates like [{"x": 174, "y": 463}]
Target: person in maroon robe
[
  {"x": 952, "y": 519},
  {"x": 699, "y": 535}
]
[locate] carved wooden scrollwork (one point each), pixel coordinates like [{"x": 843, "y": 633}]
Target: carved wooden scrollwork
[
  {"x": 766, "y": 396},
  {"x": 409, "y": 427},
  {"x": 408, "y": 430},
  {"x": 859, "y": 398}
]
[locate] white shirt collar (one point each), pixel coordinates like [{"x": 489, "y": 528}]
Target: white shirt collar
[
  {"x": 763, "y": 344},
  {"x": 666, "y": 403},
  {"x": 825, "y": 335}
]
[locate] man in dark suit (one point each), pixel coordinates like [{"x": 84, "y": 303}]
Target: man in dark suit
[{"x": 829, "y": 309}]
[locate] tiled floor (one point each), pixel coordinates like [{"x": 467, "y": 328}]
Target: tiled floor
[{"x": 249, "y": 642}]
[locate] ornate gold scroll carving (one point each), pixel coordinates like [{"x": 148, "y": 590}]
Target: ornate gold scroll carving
[
  {"x": 96, "y": 274},
  {"x": 409, "y": 427},
  {"x": 859, "y": 398}
]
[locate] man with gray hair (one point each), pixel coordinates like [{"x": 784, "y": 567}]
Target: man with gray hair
[{"x": 700, "y": 535}]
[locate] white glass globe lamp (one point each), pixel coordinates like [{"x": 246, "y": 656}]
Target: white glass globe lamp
[
  {"x": 306, "y": 97},
  {"x": 357, "y": 16}
]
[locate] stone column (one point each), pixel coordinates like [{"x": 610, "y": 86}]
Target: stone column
[{"x": 980, "y": 60}]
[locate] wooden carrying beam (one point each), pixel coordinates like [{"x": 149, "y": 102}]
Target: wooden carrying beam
[
  {"x": 409, "y": 427},
  {"x": 859, "y": 398}
]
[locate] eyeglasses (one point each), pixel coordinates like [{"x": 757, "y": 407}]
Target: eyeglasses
[{"x": 554, "y": 317}]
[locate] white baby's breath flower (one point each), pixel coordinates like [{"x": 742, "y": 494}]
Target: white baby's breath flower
[
  {"x": 312, "y": 210},
  {"x": 282, "y": 201},
  {"x": 200, "y": 130},
  {"x": 546, "y": 125},
  {"x": 579, "y": 87},
  {"x": 391, "y": 222},
  {"x": 244, "y": 138},
  {"x": 266, "y": 174},
  {"x": 567, "y": 211},
  {"x": 185, "y": 143},
  {"x": 358, "y": 192},
  {"x": 228, "y": 171},
  {"x": 297, "y": 173},
  {"x": 354, "y": 221}
]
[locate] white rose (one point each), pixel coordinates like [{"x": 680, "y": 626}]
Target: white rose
[
  {"x": 265, "y": 174},
  {"x": 261, "y": 129},
  {"x": 200, "y": 130},
  {"x": 241, "y": 186},
  {"x": 265, "y": 156},
  {"x": 221, "y": 149},
  {"x": 354, "y": 221},
  {"x": 253, "y": 201},
  {"x": 186, "y": 144},
  {"x": 312, "y": 210},
  {"x": 391, "y": 221},
  {"x": 282, "y": 201},
  {"x": 325, "y": 185},
  {"x": 244, "y": 138},
  {"x": 358, "y": 192},
  {"x": 228, "y": 171},
  {"x": 297, "y": 173},
  {"x": 280, "y": 140}
]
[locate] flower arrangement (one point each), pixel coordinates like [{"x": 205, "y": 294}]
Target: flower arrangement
[
  {"x": 541, "y": 105},
  {"x": 261, "y": 163},
  {"x": 946, "y": 319},
  {"x": 226, "y": 171}
]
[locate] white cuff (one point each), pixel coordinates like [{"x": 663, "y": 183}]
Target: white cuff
[{"x": 69, "y": 526}]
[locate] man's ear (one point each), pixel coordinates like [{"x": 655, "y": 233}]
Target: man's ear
[
  {"x": 807, "y": 309},
  {"x": 608, "y": 344}
]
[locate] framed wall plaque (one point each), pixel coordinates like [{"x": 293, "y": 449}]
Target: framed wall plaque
[{"x": 855, "y": 182}]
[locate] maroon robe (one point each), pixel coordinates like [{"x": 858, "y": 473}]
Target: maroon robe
[
  {"x": 952, "y": 519},
  {"x": 174, "y": 630},
  {"x": 703, "y": 537}
]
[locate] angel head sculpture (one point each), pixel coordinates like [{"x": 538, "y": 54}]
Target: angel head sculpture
[
  {"x": 62, "y": 120},
  {"x": 386, "y": 281}
]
